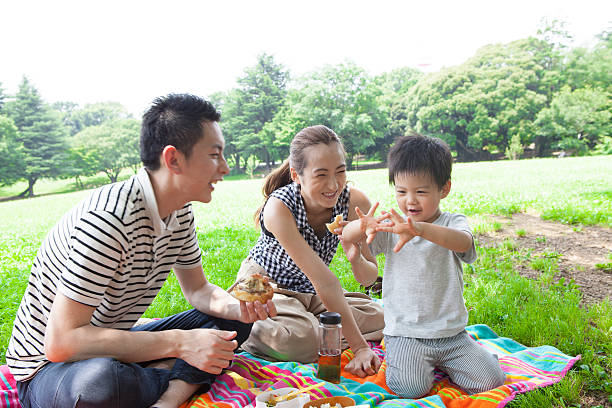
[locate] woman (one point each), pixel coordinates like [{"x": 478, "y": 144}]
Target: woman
[{"x": 295, "y": 249}]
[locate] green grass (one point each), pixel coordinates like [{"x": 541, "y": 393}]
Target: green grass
[{"x": 532, "y": 312}]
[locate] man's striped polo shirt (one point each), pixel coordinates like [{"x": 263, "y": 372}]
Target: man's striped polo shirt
[{"x": 112, "y": 252}]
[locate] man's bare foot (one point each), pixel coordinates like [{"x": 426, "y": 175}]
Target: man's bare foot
[{"x": 178, "y": 392}]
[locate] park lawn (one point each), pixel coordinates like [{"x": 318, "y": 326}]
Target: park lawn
[{"x": 532, "y": 312}]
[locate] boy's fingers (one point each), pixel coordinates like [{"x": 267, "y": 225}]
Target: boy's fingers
[
  {"x": 384, "y": 216},
  {"x": 373, "y": 209},
  {"x": 359, "y": 213},
  {"x": 399, "y": 245},
  {"x": 396, "y": 216}
]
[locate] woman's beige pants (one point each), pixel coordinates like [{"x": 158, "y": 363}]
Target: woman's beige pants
[{"x": 292, "y": 334}]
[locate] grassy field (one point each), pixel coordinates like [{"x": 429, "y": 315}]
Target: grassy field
[{"x": 532, "y": 312}]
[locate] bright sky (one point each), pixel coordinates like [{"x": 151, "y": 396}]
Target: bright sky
[{"x": 132, "y": 51}]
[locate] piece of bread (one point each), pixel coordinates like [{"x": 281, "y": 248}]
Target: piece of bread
[
  {"x": 335, "y": 224},
  {"x": 252, "y": 288}
]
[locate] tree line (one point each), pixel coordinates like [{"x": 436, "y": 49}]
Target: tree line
[{"x": 530, "y": 97}]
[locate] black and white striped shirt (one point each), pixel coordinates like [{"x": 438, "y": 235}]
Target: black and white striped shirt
[
  {"x": 113, "y": 252},
  {"x": 271, "y": 255}
]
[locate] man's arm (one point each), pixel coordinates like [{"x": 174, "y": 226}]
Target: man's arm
[
  {"x": 215, "y": 301},
  {"x": 70, "y": 337}
]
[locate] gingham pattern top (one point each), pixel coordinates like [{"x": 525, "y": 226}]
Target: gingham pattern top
[{"x": 270, "y": 254}]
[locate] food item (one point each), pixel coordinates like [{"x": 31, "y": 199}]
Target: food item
[
  {"x": 335, "y": 224},
  {"x": 252, "y": 288},
  {"x": 274, "y": 399},
  {"x": 327, "y": 405}
]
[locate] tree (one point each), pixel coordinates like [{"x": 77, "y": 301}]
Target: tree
[
  {"x": 343, "y": 98},
  {"x": 231, "y": 125},
  {"x": 11, "y": 152},
  {"x": 107, "y": 148},
  {"x": 285, "y": 124},
  {"x": 394, "y": 86},
  {"x": 2, "y": 97},
  {"x": 480, "y": 105},
  {"x": 515, "y": 148},
  {"x": 92, "y": 114},
  {"x": 550, "y": 50},
  {"x": 66, "y": 110},
  {"x": 577, "y": 120},
  {"x": 248, "y": 108},
  {"x": 41, "y": 133},
  {"x": 591, "y": 68}
]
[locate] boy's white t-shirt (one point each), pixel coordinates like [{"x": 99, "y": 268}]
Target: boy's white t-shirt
[{"x": 423, "y": 284}]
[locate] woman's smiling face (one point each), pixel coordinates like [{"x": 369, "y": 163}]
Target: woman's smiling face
[{"x": 324, "y": 176}]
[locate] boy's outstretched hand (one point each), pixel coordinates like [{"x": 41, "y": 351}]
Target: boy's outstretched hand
[
  {"x": 405, "y": 229},
  {"x": 368, "y": 223}
]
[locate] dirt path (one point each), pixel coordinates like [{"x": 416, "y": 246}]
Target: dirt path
[{"x": 580, "y": 248}]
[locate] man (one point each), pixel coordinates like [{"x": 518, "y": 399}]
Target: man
[{"x": 74, "y": 343}]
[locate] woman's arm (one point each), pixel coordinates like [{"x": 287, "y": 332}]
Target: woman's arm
[
  {"x": 280, "y": 222},
  {"x": 364, "y": 266}
]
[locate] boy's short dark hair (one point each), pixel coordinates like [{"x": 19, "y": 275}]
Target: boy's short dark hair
[
  {"x": 175, "y": 119},
  {"x": 418, "y": 154}
]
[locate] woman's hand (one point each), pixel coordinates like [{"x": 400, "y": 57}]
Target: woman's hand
[{"x": 365, "y": 363}]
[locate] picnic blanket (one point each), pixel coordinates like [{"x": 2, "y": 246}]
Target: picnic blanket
[{"x": 526, "y": 368}]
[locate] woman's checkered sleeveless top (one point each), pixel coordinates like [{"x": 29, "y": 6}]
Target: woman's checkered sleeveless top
[{"x": 269, "y": 253}]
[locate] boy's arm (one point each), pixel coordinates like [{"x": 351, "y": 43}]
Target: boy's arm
[
  {"x": 362, "y": 228},
  {"x": 447, "y": 237}
]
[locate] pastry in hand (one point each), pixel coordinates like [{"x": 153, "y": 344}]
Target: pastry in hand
[
  {"x": 335, "y": 224},
  {"x": 252, "y": 288}
]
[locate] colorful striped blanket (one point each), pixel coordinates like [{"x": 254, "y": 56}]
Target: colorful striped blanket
[{"x": 526, "y": 368}]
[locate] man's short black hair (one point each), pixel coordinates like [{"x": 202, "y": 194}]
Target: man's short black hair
[
  {"x": 417, "y": 154},
  {"x": 175, "y": 119}
]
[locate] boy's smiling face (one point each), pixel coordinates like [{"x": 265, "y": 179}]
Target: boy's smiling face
[{"x": 418, "y": 196}]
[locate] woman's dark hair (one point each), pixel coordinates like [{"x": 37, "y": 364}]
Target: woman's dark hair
[
  {"x": 281, "y": 176},
  {"x": 175, "y": 119},
  {"x": 417, "y": 154}
]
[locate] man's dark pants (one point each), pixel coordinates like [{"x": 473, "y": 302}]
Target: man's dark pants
[{"x": 108, "y": 383}]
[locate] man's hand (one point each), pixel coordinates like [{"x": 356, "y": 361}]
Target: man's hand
[
  {"x": 209, "y": 350},
  {"x": 250, "y": 312},
  {"x": 405, "y": 229},
  {"x": 365, "y": 363}
]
